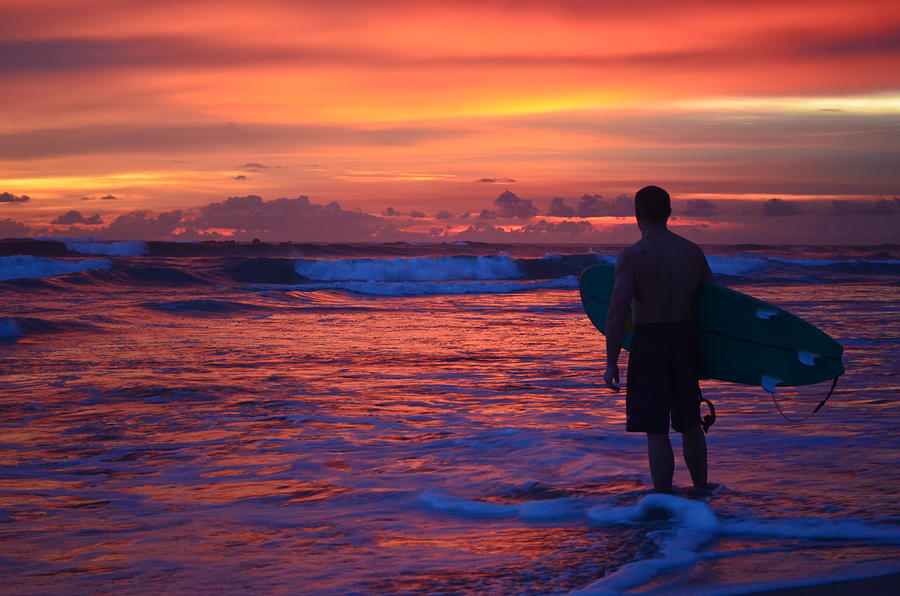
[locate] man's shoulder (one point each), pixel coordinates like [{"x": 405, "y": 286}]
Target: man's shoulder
[
  {"x": 688, "y": 245},
  {"x": 686, "y": 241},
  {"x": 627, "y": 254}
]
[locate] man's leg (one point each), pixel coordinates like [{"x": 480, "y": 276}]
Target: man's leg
[
  {"x": 694, "y": 451},
  {"x": 662, "y": 461}
]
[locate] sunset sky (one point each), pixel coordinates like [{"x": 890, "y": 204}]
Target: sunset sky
[{"x": 405, "y": 109}]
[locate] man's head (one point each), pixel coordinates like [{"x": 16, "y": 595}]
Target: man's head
[{"x": 652, "y": 205}]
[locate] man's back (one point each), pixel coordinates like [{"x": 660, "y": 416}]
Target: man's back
[
  {"x": 657, "y": 279},
  {"x": 667, "y": 270}
]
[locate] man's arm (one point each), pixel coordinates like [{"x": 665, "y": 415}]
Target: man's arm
[{"x": 616, "y": 317}]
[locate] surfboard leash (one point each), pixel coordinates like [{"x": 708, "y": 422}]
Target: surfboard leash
[
  {"x": 834, "y": 383},
  {"x": 709, "y": 419}
]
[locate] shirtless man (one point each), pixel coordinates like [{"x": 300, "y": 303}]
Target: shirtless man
[{"x": 656, "y": 280}]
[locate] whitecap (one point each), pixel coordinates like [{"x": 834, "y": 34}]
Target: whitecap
[{"x": 127, "y": 248}]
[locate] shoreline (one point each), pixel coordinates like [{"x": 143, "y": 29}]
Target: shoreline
[{"x": 879, "y": 585}]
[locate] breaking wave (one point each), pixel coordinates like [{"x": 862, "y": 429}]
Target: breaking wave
[
  {"x": 127, "y": 248},
  {"x": 27, "y": 266}
]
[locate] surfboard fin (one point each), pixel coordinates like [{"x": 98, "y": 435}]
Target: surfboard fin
[
  {"x": 764, "y": 313},
  {"x": 808, "y": 358},
  {"x": 768, "y": 383}
]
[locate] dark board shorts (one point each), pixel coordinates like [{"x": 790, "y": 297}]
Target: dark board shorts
[{"x": 663, "y": 368}]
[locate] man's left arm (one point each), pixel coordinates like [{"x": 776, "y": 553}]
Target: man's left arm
[{"x": 617, "y": 316}]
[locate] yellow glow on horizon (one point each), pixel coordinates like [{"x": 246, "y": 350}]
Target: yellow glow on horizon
[
  {"x": 888, "y": 103},
  {"x": 369, "y": 175},
  {"x": 94, "y": 183},
  {"x": 284, "y": 96}
]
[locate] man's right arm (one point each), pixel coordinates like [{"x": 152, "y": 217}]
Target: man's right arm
[{"x": 617, "y": 316}]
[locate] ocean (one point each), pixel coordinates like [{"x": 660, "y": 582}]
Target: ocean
[{"x": 230, "y": 418}]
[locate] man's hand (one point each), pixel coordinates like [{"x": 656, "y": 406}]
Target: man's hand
[{"x": 612, "y": 377}]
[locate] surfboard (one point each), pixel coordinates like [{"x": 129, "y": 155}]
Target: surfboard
[{"x": 742, "y": 339}]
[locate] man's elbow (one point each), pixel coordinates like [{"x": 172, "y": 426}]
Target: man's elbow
[{"x": 615, "y": 319}]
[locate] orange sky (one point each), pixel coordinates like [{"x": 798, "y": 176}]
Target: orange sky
[{"x": 409, "y": 104}]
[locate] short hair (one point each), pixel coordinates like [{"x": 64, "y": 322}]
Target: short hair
[{"x": 652, "y": 203}]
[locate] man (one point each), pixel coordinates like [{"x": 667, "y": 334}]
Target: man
[{"x": 656, "y": 280}]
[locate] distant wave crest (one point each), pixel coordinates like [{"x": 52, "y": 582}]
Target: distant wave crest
[
  {"x": 127, "y": 248},
  {"x": 410, "y": 269},
  {"x": 27, "y": 266},
  {"x": 432, "y": 288}
]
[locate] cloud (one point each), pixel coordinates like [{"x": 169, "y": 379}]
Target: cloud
[
  {"x": 880, "y": 207},
  {"x": 496, "y": 180},
  {"x": 592, "y": 206},
  {"x": 239, "y": 177},
  {"x": 558, "y": 208},
  {"x": 289, "y": 219},
  {"x": 535, "y": 232},
  {"x": 11, "y": 198},
  {"x": 141, "y": 225},
  {"x": 698, "y": 208},
  {"x": 191, "y": 52},
  {"x": 103, "y": 198},
  {"x": 391, "y": 212},
  {"x": 443, "y": 215},
  {"x": 75, "y": 217},
  {"x": 563, "y": 228},
  {"x": 779, "y": 208},
  {"x": 252, "y": 166},
  {"x": 487, "y": 214},
  {"x": 143, "y": 138},
  {"x": 509, "y": 204},
  {"x": 238, "y": 218},
  {"x": 13, "y": 229}
]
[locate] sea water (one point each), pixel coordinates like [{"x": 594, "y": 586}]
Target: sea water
[{"x": 393, "y": 418}]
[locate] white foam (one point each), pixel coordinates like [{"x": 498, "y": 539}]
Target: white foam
[
  {"x": 468, "y": 507},
  {"x": 695, "y": 524},
  {"x": 26, "y": 266},
  {"x": 10, "y": 328},
  {"x": 129, "y": 248},
  {"x": 410, "y": 269}
]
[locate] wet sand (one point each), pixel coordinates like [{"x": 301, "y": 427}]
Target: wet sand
[{"x": 883, "y": 585}]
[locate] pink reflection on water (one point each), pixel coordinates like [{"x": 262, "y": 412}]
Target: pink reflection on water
[{"x": 190, "y": 453}]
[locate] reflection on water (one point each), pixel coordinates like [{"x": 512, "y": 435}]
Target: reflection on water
[{"x": 284, "y": 446}]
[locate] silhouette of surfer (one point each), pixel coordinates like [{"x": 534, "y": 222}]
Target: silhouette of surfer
[{"x": 656, "y": 281}]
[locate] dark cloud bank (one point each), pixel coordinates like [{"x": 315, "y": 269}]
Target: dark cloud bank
[
  {"x": 510, "y": 218},
  {"x": 75, "y": 217},
  {"x": 592, "y": 206},
  {"x": 11, "y": 198}
]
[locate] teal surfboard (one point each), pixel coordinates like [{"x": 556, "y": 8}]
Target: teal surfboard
[{"x": 742, "y": 339}]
